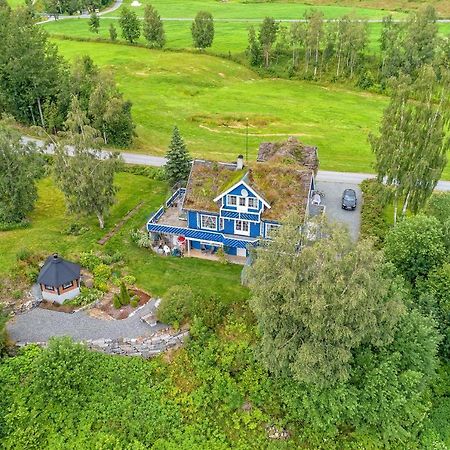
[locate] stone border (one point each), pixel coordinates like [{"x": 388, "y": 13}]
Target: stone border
[{"x": 144, "y": 347}]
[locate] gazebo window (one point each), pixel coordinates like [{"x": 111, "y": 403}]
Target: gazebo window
[
  {"x": 49, "y": 288},
  {"x": 68, "y": 285}
]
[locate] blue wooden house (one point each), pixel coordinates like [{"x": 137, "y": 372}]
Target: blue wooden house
[{"x": 231, "y": 206}]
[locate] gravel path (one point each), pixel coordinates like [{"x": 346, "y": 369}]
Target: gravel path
[{"x": 39, "y": 324}]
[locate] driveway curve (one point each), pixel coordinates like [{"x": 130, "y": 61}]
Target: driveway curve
[{"x": 39, "y": 325}]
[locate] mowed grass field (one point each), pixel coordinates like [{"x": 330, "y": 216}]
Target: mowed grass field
[
  {"x": 153, "y": 273},
  {"x": 238, "y": 9},
  {"x": 209, "y": 98},
  {"x": 229, "y": 36}
]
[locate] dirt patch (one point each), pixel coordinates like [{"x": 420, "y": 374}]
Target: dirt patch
[
  {"x": 107, "y": 308},
  {"x": 57, "y": 307}
]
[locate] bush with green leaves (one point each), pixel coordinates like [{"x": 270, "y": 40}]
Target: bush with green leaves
[
  {"x": 141, "y": 238},
  {"x": 175, "y": 305},
  {"x": 85, "y": 297},
  {"x": 415, "y": 246},
  {"x": 102, "y": 274},
  {"x": 75, "y": 229},
  {"x": 90, "y": 260},
  {"x": 3, "y": 334}
]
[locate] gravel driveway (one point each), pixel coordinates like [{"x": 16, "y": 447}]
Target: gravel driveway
[
  {"x": 332, "y": 200},
  {"x": 39, "y": 324}
]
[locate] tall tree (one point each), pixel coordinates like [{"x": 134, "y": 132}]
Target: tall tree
[
  {"x": 202, "y": 29},
  {"x": 19, "y": 168},
  {"x": 254, "y": 48},
  {"x": 314, "y": 36},
  {"x": 153, "y": 29},
  {"x": 129, "y": 22},
  {"x": 84, "y": 174},
  {"x": 412, "y": 146},
  {"x": 94, "y": 22},
  {"x": 316, "y": 307},
  {"x": 32, "y": 75},
  {"x": 267, "y": 37},
  {"x": 179, "y": 161}
]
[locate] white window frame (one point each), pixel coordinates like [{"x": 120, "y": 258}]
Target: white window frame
[
  {"x": 49, "y": 288},
  {"x": 253, "y": 199},
  {"x": 239, "y": 229},
  {"x": 67, "y": 285},
  {"x": 270, "y": 227},
  {"x": 206, "y": 216},
  {"x": 231, "y": 199},
  {"x": 244, "y": 204}
]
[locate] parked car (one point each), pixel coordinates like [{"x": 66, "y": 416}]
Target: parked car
[{"x": 349, "y": 199}]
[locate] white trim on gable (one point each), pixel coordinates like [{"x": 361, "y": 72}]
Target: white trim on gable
[{"x": 248, "y": 187}]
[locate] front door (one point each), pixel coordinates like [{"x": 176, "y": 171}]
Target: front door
[{"x": 241, "y": 252}]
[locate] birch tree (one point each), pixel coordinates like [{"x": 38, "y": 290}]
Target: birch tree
[
  {"x": 85, "y": 174},
  {"x": 412, "y": 146},
  {"x": 267, "y": 37}
]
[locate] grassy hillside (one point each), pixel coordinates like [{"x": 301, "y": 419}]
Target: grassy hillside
[
  {"x": 229, "y": 36},
  {"x": 210, "y": 99},
  {"x": 236, "y": 9}
]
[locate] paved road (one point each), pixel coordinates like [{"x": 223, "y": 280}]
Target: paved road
[
  {"x": 39, "y": 324},
  {"x": 323, "y": 175}
]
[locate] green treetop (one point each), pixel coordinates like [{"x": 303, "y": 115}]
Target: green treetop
[{"x": 179, "y": 161}]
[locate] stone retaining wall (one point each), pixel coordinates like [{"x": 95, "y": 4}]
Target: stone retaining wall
[{"x": 145, "y": 347}]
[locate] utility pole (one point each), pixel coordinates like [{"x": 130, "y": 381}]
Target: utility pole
[{"x": 246, "y": 144}]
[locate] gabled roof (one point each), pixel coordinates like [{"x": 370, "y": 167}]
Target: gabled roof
[
  {"x": 56, "y": 271},
  {"x": 282, "y": 184},
  {"x": 244, "y": 180}
]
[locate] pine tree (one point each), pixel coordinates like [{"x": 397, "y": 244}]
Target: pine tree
[
  {"x": 94, "y": 22},
  {"x": 153, "y": 29},
  {"x": 178, "y": 163}
]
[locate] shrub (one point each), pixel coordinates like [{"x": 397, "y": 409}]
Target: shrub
[
  {"x": 9, "y": 226},
  {"x": 373, "y": 223},
  {"x": 129, "y": 280},
  {"x": 141, "y": 238},
  {"x": 90, "y": 260},
  {"x": 221, "y": 256},
  {"x": 154, "y": 173},
  {"x": 210, "y": 309},
  {"x": 75, "y": 229},
  {"x": 134, "y": 302},
  {"x": 175, "y": 305},
  {"x": 112, "y": 258},
  {"x": 124, "y": 295},
  {"x": 102, "y": 273},
  {"x": 116, "y": 301},
  {"x": 86, "y": 297}
]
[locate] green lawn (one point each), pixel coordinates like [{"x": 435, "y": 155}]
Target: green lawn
[
  {"x": 210, "y": 98},
  {"x": 153, "y": 273},
  {"x": 235, "y": 9}
]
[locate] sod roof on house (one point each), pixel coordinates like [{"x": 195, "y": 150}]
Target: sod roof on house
[{"x": 284, "y": 184}]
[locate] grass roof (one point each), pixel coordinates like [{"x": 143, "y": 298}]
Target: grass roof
[{"x": 282, "y": 182}]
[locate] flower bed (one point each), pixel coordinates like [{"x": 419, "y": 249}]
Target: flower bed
[{"x": 107, "y": 305}]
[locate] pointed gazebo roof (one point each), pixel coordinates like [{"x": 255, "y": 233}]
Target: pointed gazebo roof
[{"x": 56, "y": 271}]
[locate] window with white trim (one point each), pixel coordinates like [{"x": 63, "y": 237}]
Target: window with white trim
[
  {"x": 48, "y": 288},
  {"x": 241, "y": 201},
  {"x": 221, "y": 224},
  {"x": 241, "y": 227},
  {"x": 270, "y": 228},
  {"x": 208, "y": 222},
  {"x": 232, "y": 200},
  {"x": 68, "y": 285},
  {"x": 252, "y": 202}
]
